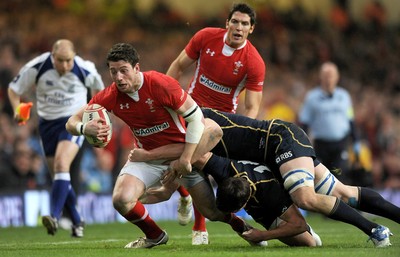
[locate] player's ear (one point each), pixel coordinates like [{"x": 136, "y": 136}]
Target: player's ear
[{"x": 251, "y": 29}]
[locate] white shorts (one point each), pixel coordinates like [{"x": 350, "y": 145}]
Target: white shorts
[{"x": 150, "y": 174}]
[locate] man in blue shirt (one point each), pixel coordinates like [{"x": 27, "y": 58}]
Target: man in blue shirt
[{"x": 327, "y": 115}]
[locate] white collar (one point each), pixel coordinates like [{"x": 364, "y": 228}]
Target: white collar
[{"x": 228, "y": 50}]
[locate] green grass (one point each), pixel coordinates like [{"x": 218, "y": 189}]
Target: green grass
[{"x": 339, "y": 239}]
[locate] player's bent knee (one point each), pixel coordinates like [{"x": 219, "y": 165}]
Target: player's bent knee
[{"x": 122, "y": 202}]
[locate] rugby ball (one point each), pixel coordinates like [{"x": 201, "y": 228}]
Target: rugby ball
[{"x": 95, "y": 111}]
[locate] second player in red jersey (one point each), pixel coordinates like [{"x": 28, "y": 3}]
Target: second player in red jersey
[
  {"x": 226, "y": 64},
  {"x": 223, "y": 72}
]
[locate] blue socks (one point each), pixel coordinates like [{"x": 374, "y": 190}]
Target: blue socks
[{"x": 63, "y": 195}]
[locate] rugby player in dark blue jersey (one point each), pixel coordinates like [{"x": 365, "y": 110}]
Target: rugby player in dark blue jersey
[
  {"x": 254, "y": 187},
  {"x": 287, "y": 150}
]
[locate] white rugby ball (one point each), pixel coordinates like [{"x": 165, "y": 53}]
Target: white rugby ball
[{"x": 92, "y": 112}]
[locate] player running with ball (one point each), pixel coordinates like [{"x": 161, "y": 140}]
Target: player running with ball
[{"x": 156, "y": 108}]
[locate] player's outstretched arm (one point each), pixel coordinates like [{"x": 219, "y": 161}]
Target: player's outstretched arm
[{"x": 292, "y": 230}]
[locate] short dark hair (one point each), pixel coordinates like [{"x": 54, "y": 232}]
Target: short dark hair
[
  {"x": 243, "y": 8},
  {"x": 232, "y": 194},
  {"x": 123, "y": 52}
]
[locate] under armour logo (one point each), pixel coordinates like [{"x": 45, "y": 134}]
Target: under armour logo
[
  {"x": 122, "y": 106},
  {"x": 210, "y": 52}
]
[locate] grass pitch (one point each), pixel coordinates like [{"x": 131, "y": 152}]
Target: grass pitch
[{"x": 107, "y": 240}]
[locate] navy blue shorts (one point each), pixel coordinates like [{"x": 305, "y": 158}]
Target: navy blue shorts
[{"x": 53, "y": 131}]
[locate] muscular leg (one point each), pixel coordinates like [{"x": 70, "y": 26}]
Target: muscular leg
[
  {"x": 126, "y": 193},
  {"x": 361, "y": 198},
  {"x": 372, "y": 202},
  {"x": 306, "y": 198}
]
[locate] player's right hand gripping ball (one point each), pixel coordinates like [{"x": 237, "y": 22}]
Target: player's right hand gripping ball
[{"x": 95, "y": 111}]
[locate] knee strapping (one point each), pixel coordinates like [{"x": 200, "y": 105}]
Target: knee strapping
[
  {"x": 326, "y": 184},
  {"x": 295, "y": 179}
]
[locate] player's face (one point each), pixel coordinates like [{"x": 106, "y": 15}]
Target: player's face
[
  {"x": 63, "y": 61},
  {"x": 125, "y": 76},
  {"x": 239, "y": 28}
]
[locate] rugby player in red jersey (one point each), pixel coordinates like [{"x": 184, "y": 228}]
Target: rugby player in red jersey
[{"x": 156, "y": 109}]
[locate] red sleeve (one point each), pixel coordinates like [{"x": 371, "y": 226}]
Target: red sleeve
[
  {"x": 195, "y": 44},
  {"x": 106, "y": 97},
  {"x": 256, "y": 72}
]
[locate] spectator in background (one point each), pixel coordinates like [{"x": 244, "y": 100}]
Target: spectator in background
[
  {"x": 339, "y": 16},
  {"x": 327, "y": 114},
  {"x": 226, "y": 64},
  {"x": 20, "y": 174},
  {"x": 389, "y": 140},
  {"x": 7, "y": 65},
  {"x": 375, "y": 15}
]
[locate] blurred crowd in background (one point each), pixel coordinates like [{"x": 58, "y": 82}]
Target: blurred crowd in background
[{"x": 292, "y": 43}]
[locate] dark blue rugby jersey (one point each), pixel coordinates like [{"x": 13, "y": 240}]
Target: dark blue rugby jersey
[{"x": 272, "y": 142}]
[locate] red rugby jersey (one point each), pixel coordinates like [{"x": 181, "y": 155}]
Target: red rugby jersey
[{"x": 152, "y": 117}]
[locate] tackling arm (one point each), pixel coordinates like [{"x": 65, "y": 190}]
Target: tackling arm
[
  {"x": 292, "y": 231},
  {"x": 212, "y": 134}
]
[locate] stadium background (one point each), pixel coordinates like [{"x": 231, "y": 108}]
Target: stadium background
[{"x": 293, "y": 37}]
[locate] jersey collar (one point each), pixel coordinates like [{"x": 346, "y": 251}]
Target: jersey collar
[{"x": 227, "y": 50}]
